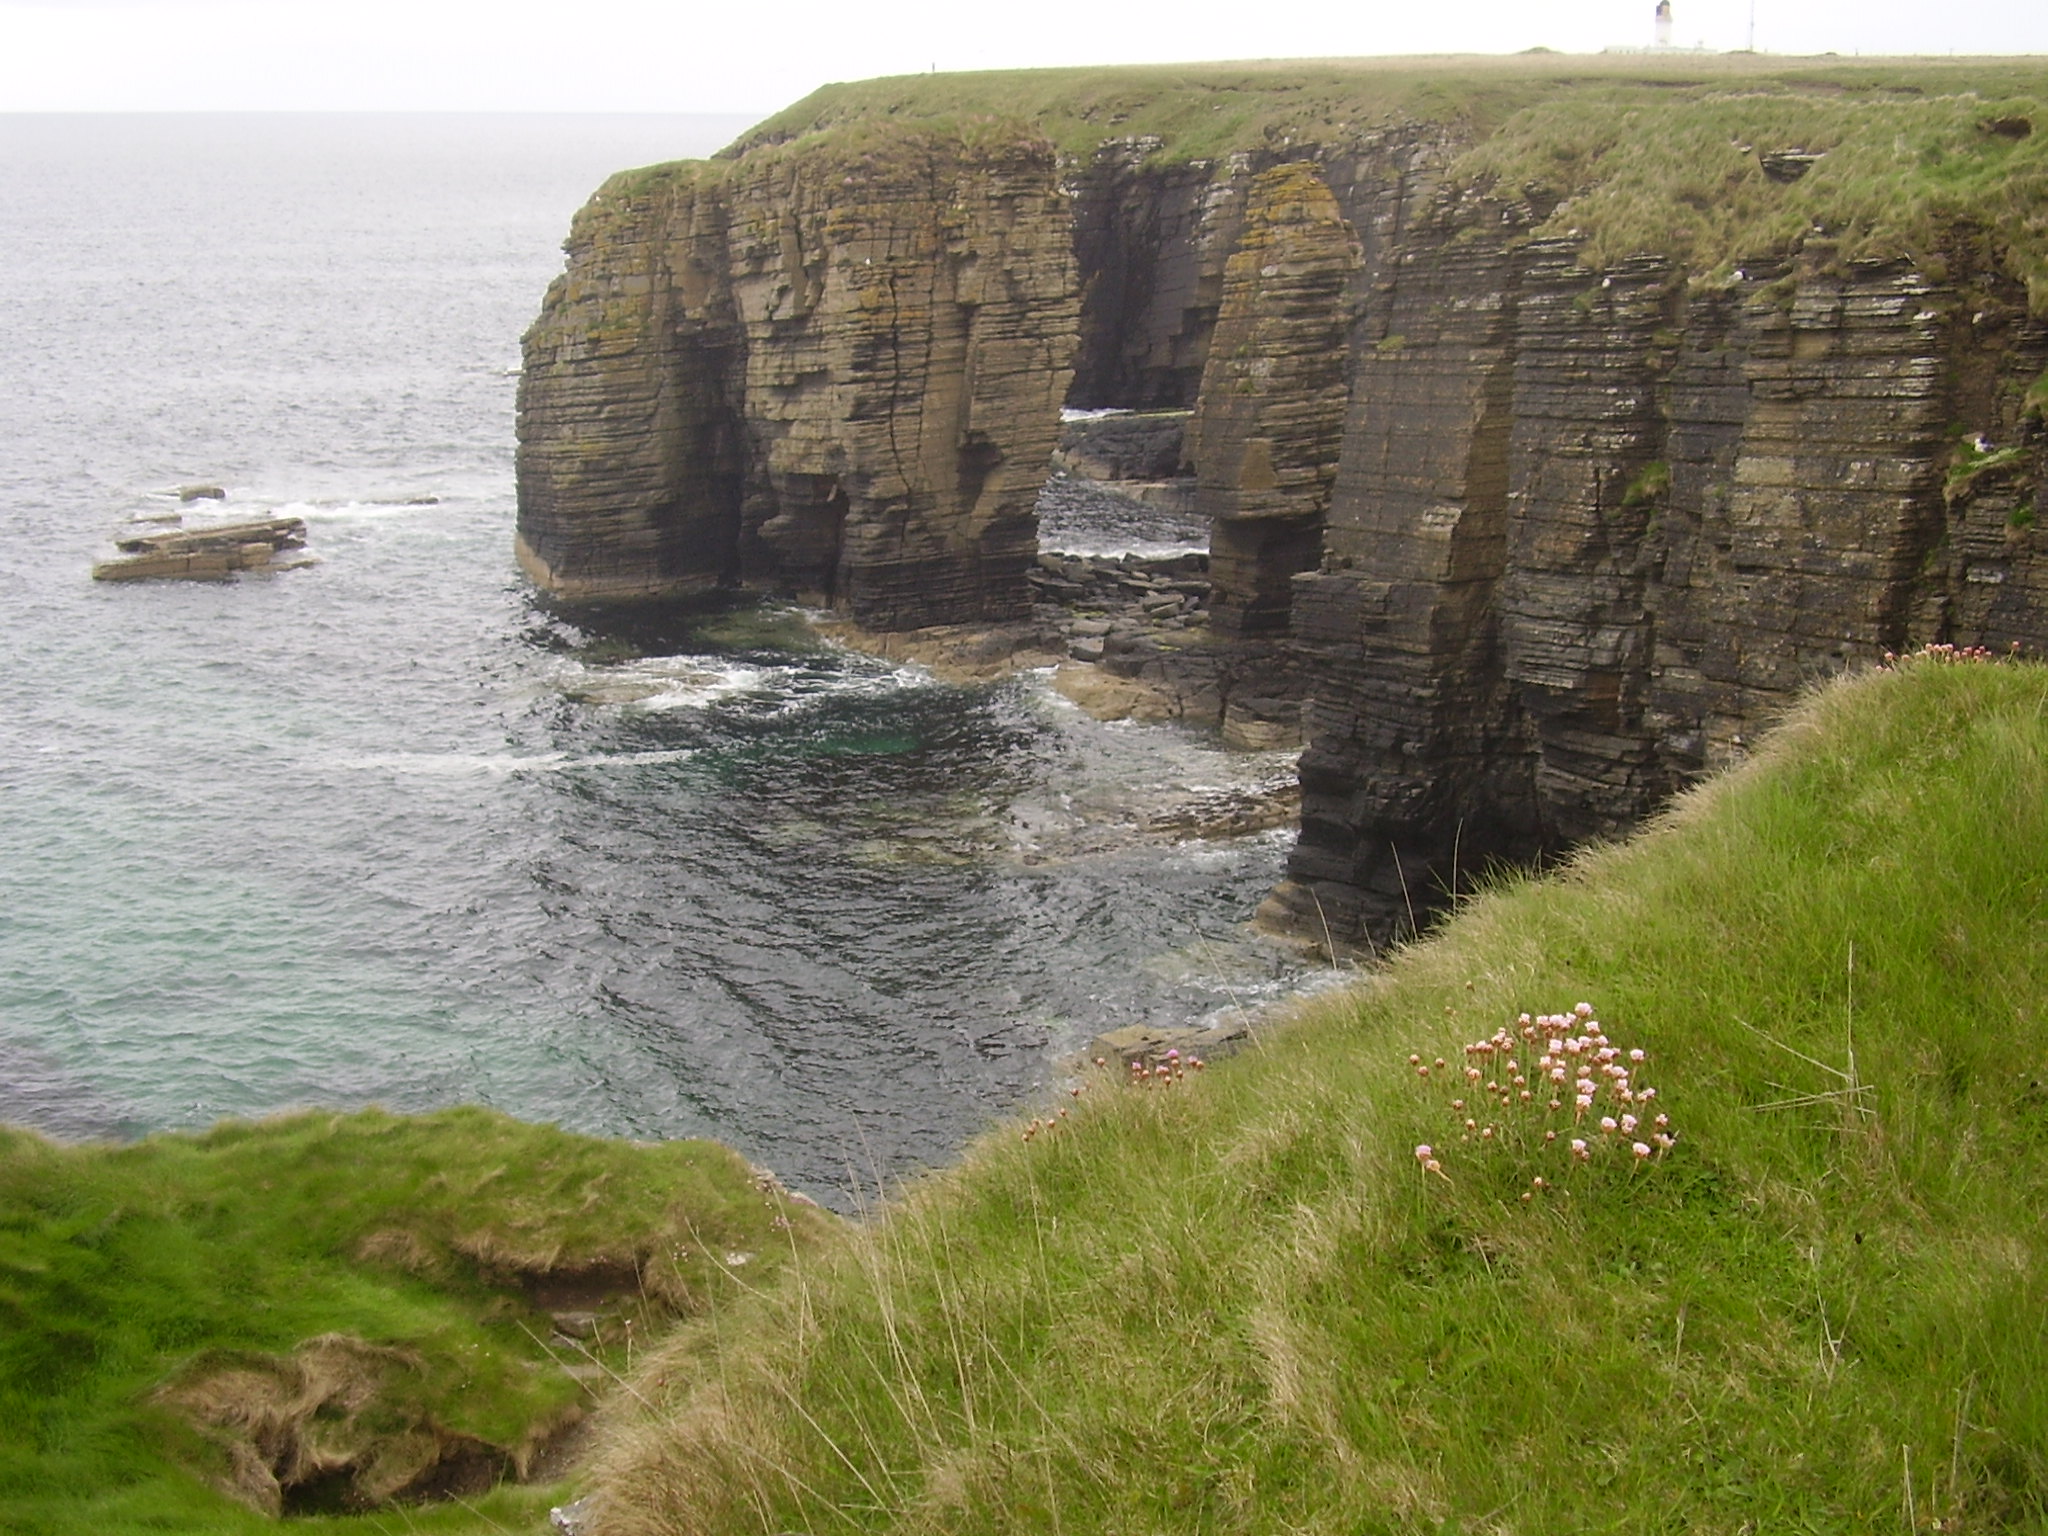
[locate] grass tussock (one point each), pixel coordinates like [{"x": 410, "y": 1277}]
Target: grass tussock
[
  {"x": 188, "y": 1320},
  {"x": 1238, "y": 1301}
]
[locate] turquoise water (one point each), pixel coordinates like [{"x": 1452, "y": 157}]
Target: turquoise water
[{"x": 389, "y": 830}]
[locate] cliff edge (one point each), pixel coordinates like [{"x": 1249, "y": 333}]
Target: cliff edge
[{"x": 1559, "y": 419}]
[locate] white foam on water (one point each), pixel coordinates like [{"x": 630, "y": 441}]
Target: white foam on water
[
  {"x": 1138, "y": 549},
  {"x": 317, "y": 512},
  {"x": 1217, "y": 853},
  {"x": 803, "y": 688},
  {"x": 685, "y": 682},
  {"x": 504, "y": 765},
  {"x": 873, "y": 684}
]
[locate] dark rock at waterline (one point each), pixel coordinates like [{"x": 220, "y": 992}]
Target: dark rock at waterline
[
  {"x": 202, "y": 493},
  {"x": 1138, "y": 445}
]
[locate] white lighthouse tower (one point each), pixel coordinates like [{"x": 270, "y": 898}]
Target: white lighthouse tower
[{"x": 1663, "y": 24}]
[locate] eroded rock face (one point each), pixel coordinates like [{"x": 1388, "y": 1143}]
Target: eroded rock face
[
  {"x": 1412, "y": 746},
  {"x": 831, "y": 371},
  {"x": 1594, "y": 530},
  {"x": 1264, "y": 443},
  {"x": 632, "y": 448},
  {"x": 337, "y": 1426},
  {"x": 1152, "y": 240},
  {"x": 1541, "y": 543},
  {"x": 911, "y": 318}
]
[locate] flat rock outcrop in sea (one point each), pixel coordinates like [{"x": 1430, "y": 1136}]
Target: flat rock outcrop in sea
[{"x": 201, "y": 554}]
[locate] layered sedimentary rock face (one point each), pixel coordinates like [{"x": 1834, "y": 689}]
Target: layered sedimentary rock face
[
  {"x": 1265, "y": 439},
  {"x": 632, "y": 448},
  {"x": 1552, "y": 519},
  {"x": 910, "y": 310},
  {"x": 831, "y": 370},
  {"x": 1596, "y": 530}
]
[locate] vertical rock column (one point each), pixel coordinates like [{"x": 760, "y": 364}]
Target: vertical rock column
[
  {"x": 630, "y": 448},
  {"x": 1414, "y": 765},
  {"x": 911, "y": 315},
  {"x": 1266, "y": 430},
  {"x": 1588, "y": 479}
]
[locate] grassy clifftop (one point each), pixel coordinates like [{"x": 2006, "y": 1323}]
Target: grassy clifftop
[
  {"x": 1918, "y": 159},
  {"x": 1243, "y": 1300},
  {"x": 1201, "y": 111}
]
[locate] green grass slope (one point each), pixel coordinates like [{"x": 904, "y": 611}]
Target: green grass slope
[
  {"x": 441, "y": 1242},
  {"x": 1920, "y": 159},
  {"x": 1239, "y": 1302}
]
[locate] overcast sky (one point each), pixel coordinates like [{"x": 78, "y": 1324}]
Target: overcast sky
[{"x": 744, "y": 56}]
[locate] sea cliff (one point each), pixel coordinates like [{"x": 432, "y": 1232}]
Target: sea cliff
[{"x": 1557, "y": 421}]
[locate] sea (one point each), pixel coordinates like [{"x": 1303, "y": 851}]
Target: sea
[{"x": 389, "y": 829}]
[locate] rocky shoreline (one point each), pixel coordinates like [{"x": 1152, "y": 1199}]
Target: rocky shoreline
[{"x": 1553, "y": 523}]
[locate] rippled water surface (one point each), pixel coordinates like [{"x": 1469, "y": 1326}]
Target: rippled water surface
[{"x": 387, "y": 830}]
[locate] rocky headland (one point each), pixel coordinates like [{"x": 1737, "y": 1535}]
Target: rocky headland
[{"x": 1553, "y": 423}]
